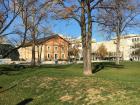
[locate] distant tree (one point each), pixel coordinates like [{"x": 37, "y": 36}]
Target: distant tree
[
  {"x": 43, "y": 32},
  {"x": 14, "y": 55},
  {"x": 73, "y": 52},
  {"x": 101, "y": 51},
  {"x": 34, "y": 13},
  {"x": 118, "y": 19}
]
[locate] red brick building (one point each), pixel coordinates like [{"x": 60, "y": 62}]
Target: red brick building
[{"x": 50, "y": 48}]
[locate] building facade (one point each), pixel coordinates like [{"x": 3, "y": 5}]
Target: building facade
[
  {"x": 50, "y": 48},
  {"x": 135, "y": 47},
  {"x": 127, "y": 44},
  {"x": 127, "y": 48}
]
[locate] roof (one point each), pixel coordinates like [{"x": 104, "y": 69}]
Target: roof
[
  {"x": 128, "y": 36},
  {"x": 42, "y": 40}
]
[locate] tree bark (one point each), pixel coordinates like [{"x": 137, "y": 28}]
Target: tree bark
[
  {"x": 86, "y": 40},
  {"x": 39, "y": 54},
  {"x": 118, "y": 41},
  {"x": 88, "y": 70},
  {"x": 33, "y": 63},
  {"x": 83, "y": 34},
  {"x": 118, "y": 50}
]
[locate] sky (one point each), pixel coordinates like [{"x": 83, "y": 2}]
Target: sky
[
  {"x": 71, "y": 28},
  {"x": 68, "y": 28}
]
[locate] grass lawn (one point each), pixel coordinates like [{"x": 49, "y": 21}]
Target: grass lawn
[{"x": 66, "y": 85}]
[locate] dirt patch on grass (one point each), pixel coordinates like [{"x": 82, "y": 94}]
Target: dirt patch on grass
[
  {"x": 43, "y": 85},
  {"x": 66, "y": 98},
  {"x": 121, "y": 94},
  {"x": 45, "y": 81},
  {"x": 93, "y": 91},
  {"x": 93, "y": 96},
  {"x": 71, "y": 82},
  {"x": 102, "y": 95},
  {"x": 40, "y": 82}
]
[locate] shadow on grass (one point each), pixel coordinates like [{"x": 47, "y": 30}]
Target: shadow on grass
[
  {"x": 100, "y": 66},
  {"x": 18, "y": 69},
  {"x": 25, "y": 102},
  {"x": 56, "y": 66},
  {"x": 10, "y": 70},
  {"x": 8, "y": 88}
]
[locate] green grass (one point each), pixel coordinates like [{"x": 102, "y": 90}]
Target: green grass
[{"x": 66, "y": 85}]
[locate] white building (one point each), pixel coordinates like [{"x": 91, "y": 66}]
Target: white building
[{"x": 126, "y": 46}]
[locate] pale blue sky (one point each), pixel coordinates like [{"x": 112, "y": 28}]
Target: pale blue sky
[{"x": 71, "y": 28}]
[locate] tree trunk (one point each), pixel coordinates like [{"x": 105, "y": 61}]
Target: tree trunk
[
  {"x": 83, "y": 34},
  {"x": 86, "y": 43},
  {"x": 88, "y": 70},
  {"x": 84, "y": 59},
  {"x": 33, "y": 49},
  {"x": 39, "y": 54},
  {"x": 118, "y": 42},
  {"x": 118, "y": 50}
]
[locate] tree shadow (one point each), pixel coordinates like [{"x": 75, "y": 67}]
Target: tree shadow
[
  {"x": 8, "y": 88},
  {"x": 11, "y": 69},
  {"x": 25, "y": 101},
  {"x": 56, "y": 66},
  {"x": 96, "y": 67}
]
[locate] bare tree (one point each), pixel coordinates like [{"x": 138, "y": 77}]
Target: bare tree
[
  {"x": 36, "y": 12},
  {"x": 43, "y": 32},
  {"x": 9, "y": 10},
  {"x": 24, "y": 16},
  {"x": 118, "y": 19},
  {"x": 82, "y": 12},
  {"x": 73, "y": 52}
]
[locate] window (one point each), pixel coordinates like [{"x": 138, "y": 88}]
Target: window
[
  {"x": 63, "y": 56},
  {"x": 132, "y": 40},
  {"x": 48, "y": 48},
  {"x": 137, "y": 39},
  {"x": 62, "y": 48},
  {"x": 55, "y": 48},
  {"x": 55, "y": 56},
  {"x": 48, "y": 55}
]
